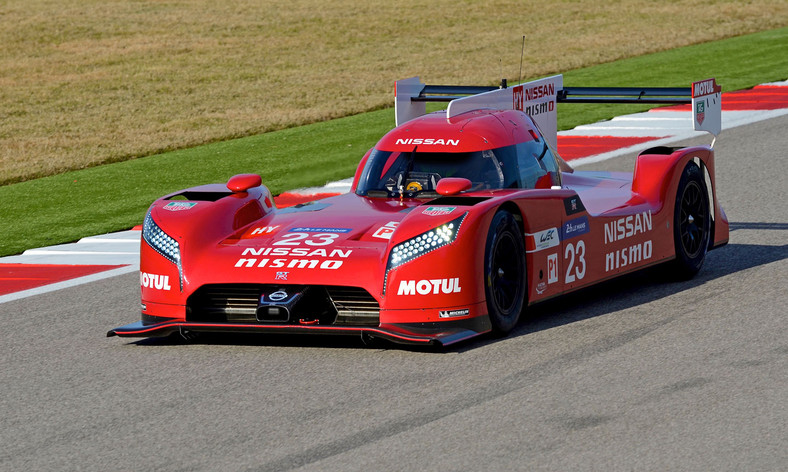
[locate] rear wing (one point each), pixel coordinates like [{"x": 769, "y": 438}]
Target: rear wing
[{"x": 538, "y": 100}]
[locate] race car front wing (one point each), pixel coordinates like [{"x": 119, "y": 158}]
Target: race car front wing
[{"x": 442, "y": 333}]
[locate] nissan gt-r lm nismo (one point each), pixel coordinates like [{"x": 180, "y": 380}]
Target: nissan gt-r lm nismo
[{"x": 456, "y": 222}]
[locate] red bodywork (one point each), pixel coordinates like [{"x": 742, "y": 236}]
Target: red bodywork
[{"x": 236, "y": 249}]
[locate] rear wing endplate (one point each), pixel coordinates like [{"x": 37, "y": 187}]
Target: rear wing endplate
[{"x": 538, "y": 99}]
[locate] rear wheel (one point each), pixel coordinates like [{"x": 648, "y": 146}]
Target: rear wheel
[
  {"x": 691, "y": 222},
  {"x": 504, "y": 272}
]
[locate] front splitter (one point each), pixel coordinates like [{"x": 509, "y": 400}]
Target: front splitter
[{"x": 441, "y": 334}]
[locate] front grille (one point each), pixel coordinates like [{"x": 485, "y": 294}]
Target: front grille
[
  {"x": 355, "y": 306},
  {"x": 233, "y": 303},
  {"x": 324, "y": 305}
]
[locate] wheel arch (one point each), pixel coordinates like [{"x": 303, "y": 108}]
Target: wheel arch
[
  {"x": 658, "y": 170},
  {"x": 656, "y": 179},
  {"x": 515, "y": 210}
]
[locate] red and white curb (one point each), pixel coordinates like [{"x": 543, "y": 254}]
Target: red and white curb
[
  {"x": 47, "y": 269},
  {"x": 43, "y": 270},
  {"x": 666, "y": 125}
]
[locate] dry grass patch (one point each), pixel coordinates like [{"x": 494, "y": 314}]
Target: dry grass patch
[{"x": 89, "y": 82}]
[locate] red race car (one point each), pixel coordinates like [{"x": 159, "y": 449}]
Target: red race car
[{"x": 456, "y": 222}]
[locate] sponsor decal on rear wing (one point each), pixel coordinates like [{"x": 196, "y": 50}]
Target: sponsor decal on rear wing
[
  {"x": 538, "y": 99},
  {"x": 707, "y": 106}
]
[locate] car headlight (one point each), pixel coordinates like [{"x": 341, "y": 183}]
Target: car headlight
[
  {"x": 162, "y": 242},
  {"x": 424, "y": 243}
]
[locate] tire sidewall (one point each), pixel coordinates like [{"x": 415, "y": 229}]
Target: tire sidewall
[
  {"x": 687, "y": 266},
  {"x": 504, "y": 225}
]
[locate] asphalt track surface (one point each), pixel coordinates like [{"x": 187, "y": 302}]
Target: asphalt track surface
[{"x": 639, "y": 374}]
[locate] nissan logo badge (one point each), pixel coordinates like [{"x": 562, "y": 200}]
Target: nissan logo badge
[{"x": 277, "y": 296}]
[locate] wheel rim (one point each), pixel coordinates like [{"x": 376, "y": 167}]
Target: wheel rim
[
  {"x": 505, "y": 274},
  {"x": 692, "y": 220}
]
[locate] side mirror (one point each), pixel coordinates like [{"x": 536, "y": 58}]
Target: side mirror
[
  {"x": 243, "y": 182},
  {"x": 452, "y": 185}
]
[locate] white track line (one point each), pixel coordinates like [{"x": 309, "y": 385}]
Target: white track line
[{"x": 120, "y": 248}]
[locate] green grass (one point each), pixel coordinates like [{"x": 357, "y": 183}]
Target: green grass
[
  {"x": 87, "y": 82},
  {"x": 737, "y": 63},
  {"x": 113, "y": 197}
]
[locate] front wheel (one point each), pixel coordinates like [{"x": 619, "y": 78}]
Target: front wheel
[
  {"x": 504, "y": 272},
  {"x": 691, "y": 222}
]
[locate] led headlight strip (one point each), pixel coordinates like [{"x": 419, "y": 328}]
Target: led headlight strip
[
  {"x": 424, "y": 243},
  {"x": 162, "y": 243}
]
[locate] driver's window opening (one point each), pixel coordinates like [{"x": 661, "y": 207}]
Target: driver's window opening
[{"x": 415, "y": 174}]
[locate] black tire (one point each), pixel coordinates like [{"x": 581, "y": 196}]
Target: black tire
[
  {"x": 691, "y": 223},
  {"x": 504, "y": 272}
]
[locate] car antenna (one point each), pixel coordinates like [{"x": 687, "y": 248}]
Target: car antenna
[{"x": 522, "y": 53}]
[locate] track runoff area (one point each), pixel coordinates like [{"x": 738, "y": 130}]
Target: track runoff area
[{"x": 97, "y": 257}]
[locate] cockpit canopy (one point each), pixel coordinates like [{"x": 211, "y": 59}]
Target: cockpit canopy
[{"x": 531, "y": 164}]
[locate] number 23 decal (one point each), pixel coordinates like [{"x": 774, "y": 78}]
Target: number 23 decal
[
  {"x": 575, "y": 271},
  {"x": 294, "y": 239}
]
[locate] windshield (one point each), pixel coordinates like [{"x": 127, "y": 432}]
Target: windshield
[{"x": 391, "y": 174}]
